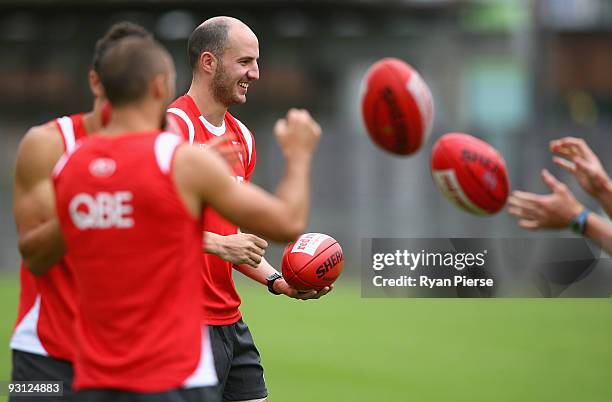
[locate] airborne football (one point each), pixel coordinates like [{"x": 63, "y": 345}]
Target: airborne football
[
  {"x": 470, "y": 173},
  {"x": 397, "y": 106}
]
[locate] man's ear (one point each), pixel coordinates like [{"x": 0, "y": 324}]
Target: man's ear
[
  {"x": 208, "y": 62},
  {"x": 95, "y": 85},
  {"x": 159, "y": 86}
]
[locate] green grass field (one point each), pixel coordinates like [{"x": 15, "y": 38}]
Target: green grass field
[{"x": 344, "y": 348}]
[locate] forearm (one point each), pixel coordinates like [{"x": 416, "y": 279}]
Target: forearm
[
  {"x": 599, "y": 231},
  {"x": 294, "y": 190},
  {"x": 605, "y": 198},
  {"x": 280, "y": 286},
  {"x": 259, "y": 274},
  {"x": 211, "y": 243},
  {"x": 42, "y": 247}
]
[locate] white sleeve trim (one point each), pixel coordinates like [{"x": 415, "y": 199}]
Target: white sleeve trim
[
  {"x": 67, "y": 131},
  {"x": 59, "y": 166},
  {"x": 181, "y": 113},
  {"x": 165, "y": 144},
  {"x": 63, "y": 160},
  {"x": 248, "y": 137}
]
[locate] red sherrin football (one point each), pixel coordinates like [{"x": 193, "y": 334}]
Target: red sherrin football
[
  {"x": 396, "y": 106},
  {"x": 470, "y": 173},
  {"x": 314, "y": 261}
]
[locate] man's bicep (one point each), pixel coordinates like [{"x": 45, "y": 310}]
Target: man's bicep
[
  {"x": 33, "y": 204},
  {"x": 249, "y": 207},
  {"x": 33, "y": 200}
]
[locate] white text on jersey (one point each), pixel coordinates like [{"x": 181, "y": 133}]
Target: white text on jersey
[{"x": 102, "y": 211}]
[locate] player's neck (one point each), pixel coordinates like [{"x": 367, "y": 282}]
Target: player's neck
[
  {"x": 92, "y": 120},
  {"x": 132, "y": 119},
  {"x": 209, "y": 107}
]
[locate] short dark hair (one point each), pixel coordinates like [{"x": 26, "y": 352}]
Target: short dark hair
[
  {"x": 208, "y": 37},
  {"x": 126, "y": 68},
  {"x": 115, "y": 33}
]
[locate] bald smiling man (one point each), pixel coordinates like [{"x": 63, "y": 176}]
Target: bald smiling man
[{"x": 223, "y": 54}]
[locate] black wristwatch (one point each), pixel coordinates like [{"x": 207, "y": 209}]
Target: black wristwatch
[{"x": 271, "y": 279}]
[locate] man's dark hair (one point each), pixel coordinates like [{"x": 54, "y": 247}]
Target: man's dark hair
[
  {"x": 115, "y": 33},
  {"x": 208, "y": 37},
  {"x": 127, "y": 68}
]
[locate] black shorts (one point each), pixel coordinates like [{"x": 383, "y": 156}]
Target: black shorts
[
  {"x": 33, "y": 367},
  {"x": 241, "y": 376},
  {"x": 201, "y": 394}
]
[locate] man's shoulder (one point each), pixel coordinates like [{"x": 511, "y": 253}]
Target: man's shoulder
[
  {"x": 181, "y": 118},
  {"x": 178, "y": 102},
  {"x": 181, "y": 104},
  {"x": 39, "y": 150},
  {"x": 44, "y": 130},
  {"x": 45, "y": 138}
]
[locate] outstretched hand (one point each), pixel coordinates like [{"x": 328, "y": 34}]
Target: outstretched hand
[
  {"x": 549, "y": 211},
  {"x": 575, "y": 156}
]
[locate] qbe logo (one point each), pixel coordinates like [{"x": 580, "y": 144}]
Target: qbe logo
[
  {"x": 102, "y": 211},
  {"x": 102, "y": 167}
]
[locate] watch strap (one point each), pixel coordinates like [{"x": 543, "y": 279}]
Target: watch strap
[
  {"x": 271, "y": 279},
  {"x": 578, "y": 222}
]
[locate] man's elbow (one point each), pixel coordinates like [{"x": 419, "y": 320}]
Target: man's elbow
[
  {"x": 297, "y": 230},
  {"x": 25, "y": 249},
  {"x": 292, "y": 229},
  {"x": 31, "y": 260},
  {"x": 35, "y": 265}
]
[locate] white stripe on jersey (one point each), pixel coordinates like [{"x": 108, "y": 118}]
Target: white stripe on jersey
[
  {"x": 165, "y": 144},
  {"x": 181, "y": 113},
  {"x": 205, "y": 374},
  {"x": 59, "y": 166},
  {"x": 25, "y": 338},
  {"x": 214, "y": 130},
  {"x": 248, "y": 137},
  {"x": 67, "y": 130}
]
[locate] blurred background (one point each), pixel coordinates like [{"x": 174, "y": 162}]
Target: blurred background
[{"x": 516, "y": 73}]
